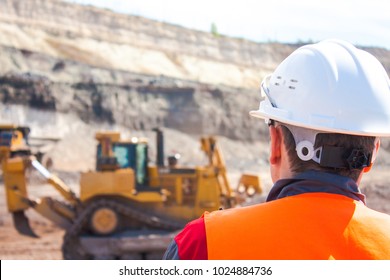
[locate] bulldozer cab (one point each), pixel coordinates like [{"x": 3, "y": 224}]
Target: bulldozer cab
[{"x": 125, "y": 154}]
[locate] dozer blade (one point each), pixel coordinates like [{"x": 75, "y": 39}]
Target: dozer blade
[{"x": 22, "y": 225}]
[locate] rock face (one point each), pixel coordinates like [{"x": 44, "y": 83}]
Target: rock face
[
  {"x": 105, "y": 39},
  {"x": 135, "y": 101},
  {"x": 126, "y": 71}
]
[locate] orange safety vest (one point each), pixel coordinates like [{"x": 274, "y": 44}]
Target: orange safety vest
[{"x": 303, "y": 227}]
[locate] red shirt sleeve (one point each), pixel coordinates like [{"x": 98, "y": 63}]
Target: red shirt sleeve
[{"x": 191, "y": 241}]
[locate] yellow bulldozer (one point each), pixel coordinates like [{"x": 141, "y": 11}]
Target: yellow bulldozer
[{"x": 127, "y": 208}]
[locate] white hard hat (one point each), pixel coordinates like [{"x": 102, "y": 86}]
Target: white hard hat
[{"x": 330, "y": 86}]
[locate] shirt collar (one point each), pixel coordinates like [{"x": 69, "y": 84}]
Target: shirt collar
[{"x": 316, "y": 181}]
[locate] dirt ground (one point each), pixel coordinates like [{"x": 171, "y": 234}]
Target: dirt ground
[{"x": 14, "y": 246}]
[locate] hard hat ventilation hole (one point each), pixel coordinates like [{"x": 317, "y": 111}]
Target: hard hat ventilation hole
[
  {"x": 291, "y": 87},
  {"x": 277, "y": 84}
]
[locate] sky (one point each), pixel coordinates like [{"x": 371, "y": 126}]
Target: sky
[{"x": 361, "y": 22}]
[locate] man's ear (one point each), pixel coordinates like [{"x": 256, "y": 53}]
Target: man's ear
[
  {"x": 275, "y": 149},
  {"x": 374, "y": 154}
]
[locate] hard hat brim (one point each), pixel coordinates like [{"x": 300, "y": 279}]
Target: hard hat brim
[{"x": 325, "y": 129}]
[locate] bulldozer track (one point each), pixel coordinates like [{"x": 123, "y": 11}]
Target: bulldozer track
[{"x": 71, "y": 247}]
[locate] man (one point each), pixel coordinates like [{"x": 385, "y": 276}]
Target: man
[{"x": 326, "y": 105}]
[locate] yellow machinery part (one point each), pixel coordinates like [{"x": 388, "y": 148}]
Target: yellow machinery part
[
  {"x": 114, "y": 136},
  {"x": 104, "y": 221},
  {"x": 14, "y": 165},
  {"x": 62, "y": 188},
  {"x": 120, "y": 182},
  {"x": 17, "y": 140},
  {"x": 190, "y": 191},
  {"x": 154, "y": 178},
  {"x": 56, "y": 182},
  {"x": 203, "y": 195},
  {"x": 54, "y": 211},
  {"x": 15, "y": 183},
  {"x": 209, "y": 194},
  {"x": 250, "y": 184},
  {"x": 210, "y": 147}
]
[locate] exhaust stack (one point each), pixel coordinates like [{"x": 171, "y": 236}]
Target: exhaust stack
[{"x": 160, "y": 147}]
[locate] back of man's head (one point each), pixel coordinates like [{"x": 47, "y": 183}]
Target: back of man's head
[{"x": 364, "y": 144}]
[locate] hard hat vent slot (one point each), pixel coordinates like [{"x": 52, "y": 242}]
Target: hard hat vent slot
[
  {"x": 292, "y": 81},
  {"x": 278, "y": 78}
]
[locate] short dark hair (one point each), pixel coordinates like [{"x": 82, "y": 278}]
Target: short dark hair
[{"x": 366, "y": 143}]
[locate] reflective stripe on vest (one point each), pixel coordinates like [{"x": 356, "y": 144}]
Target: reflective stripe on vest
[{"x": 305, "y": 226}]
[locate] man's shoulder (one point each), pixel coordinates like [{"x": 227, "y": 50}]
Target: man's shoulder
[
  {"x": 191, "y": 242},
  {"x": 194, "y": 231}
]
